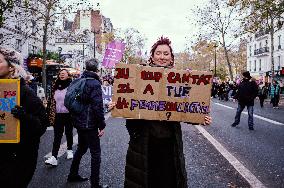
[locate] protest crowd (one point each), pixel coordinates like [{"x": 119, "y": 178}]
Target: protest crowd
[{"x": 155, "y": 143}]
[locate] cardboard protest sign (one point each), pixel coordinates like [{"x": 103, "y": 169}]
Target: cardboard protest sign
[
  {"x": 157, "y": 93},
  {"x": 107, "y": 94},
  {"x": 9, "y": 98}
]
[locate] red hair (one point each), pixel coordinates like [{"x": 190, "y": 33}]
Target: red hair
[{"x": 161, "y": 41}]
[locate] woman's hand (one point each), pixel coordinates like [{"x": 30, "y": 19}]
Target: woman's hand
[
  {"x": 111, "y": 105},
  {"x": 207, "y": 120}
]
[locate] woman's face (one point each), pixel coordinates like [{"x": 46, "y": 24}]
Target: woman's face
[
  {"x": 162, "y": 56},
  {"x": 63, "y": 75},
  {"x": 4, "y": 68}
]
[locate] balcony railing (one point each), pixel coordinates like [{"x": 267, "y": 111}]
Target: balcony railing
[
  {"x": 261, "y": 50},
  {"x": 261, "y": 33}
]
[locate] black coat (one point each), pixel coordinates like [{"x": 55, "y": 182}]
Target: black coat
[
  {"x": 247, "y": 92},
  {"x": 19, "y": 160},
  {"x": 93, "y": 116},
  {"x": 155, "y": 155}
]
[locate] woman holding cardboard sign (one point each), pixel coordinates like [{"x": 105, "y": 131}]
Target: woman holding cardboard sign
[
  {"x": 155, "y": 155},
  {"x": 18, "y": 161}
]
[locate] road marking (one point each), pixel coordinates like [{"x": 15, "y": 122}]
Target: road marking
[
  {"x": 254, "y": 115},
  {"x": 224, "y": 105},
  {"x": 251, "y": 179},
  {"x": 265, "y": 119},
  {"x": 63, "y": 147}
]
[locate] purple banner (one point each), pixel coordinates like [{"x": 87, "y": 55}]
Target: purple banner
[{"x": 113, "y": 53}]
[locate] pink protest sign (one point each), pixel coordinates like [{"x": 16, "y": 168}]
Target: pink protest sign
[{"x": 113, "y": 53}]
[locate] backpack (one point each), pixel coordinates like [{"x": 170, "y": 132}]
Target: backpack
[{"x": 72, "y": 100}]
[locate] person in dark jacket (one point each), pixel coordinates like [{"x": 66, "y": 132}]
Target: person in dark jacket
[
  {"x": 262, "y": 93},
  {"x": 90, "y": 124},
  {"x": 275, "y": 93},
  {"x": 155, "y": 154},
  {"x": 18, "y": 161},
  {"x": 246, "y": 94}
]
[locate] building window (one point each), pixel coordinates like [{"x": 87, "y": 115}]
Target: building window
[
  {"x": 254, "y": 46},
  {"x": 254, "y": 66},
  {"x": 33, "y": 27},
  {"x": 18, "y": 25},
  {"x": 260, "y": 45},
  {"x": 250, "y": 66},
  {"x": 250, "y": 51},
  {"x": 279, "y": 42},
  {"x": 18, "y": 2},
  {"x": 18, "y": 45},
  {"x": 260, "y": 65},
  {"x": 1, "y": 38},
  {"x": 34, "y": 49},
  {"x": 266, "y": 43}
]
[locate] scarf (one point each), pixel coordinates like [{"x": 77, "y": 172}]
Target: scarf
[{"x": 62, "y": 84}]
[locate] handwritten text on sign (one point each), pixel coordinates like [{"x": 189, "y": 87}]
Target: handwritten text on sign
[
  {"x": 9, "y": 98},
  {"x": 156, "y": 93}
]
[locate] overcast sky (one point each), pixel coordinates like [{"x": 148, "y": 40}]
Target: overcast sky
[{"x": 154, "y": 18}]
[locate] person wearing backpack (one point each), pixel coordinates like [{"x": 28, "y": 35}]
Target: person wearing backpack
[
  {"x": 59, "y": 117},
  {"x": 89, "y": 122}
]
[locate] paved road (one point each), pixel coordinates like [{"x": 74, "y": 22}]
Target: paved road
[{"x": 260, "y": 152}]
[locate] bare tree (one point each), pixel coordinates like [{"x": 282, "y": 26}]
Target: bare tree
[
  {"x": 262, "y": 16},
  {"x": 134, "y": 42},
  {"x": 218, "y": 22}
]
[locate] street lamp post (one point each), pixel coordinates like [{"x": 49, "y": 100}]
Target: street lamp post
[
  {"x": 215, "y": 58},
  {"x": 95, "y": 32}
]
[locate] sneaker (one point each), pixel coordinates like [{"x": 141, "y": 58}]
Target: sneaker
[
  {"x": 76, "y": 178},
  {"x": 69, "y": 154},
  {"x": 51, "y": 161}
]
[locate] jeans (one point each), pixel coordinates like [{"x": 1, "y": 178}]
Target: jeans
[
  {"x": 88, "y": 139},
  {"x": 62, "y": 120},
  {"x": 239, "y": 112}
]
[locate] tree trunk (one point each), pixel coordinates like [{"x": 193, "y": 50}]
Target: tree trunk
[
  {"x": 44, "y": 44},
  {"x": 227, "y": 57}
]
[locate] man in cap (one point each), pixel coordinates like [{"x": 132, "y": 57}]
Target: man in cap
[{"x": 246, "y": 94}]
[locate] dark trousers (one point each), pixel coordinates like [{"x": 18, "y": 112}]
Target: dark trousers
[
  {"x": 17, "y": 171},
  {"x": 88, "y": 139},
  {"x": 62, "y": 120},
  {"x": 275, "y": 100},
  {"x": 239, "y": 112},
  {"x": 261, "y": 100}
]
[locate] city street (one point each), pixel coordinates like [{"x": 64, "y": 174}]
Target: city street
[{"x": 216, "y": 156}]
